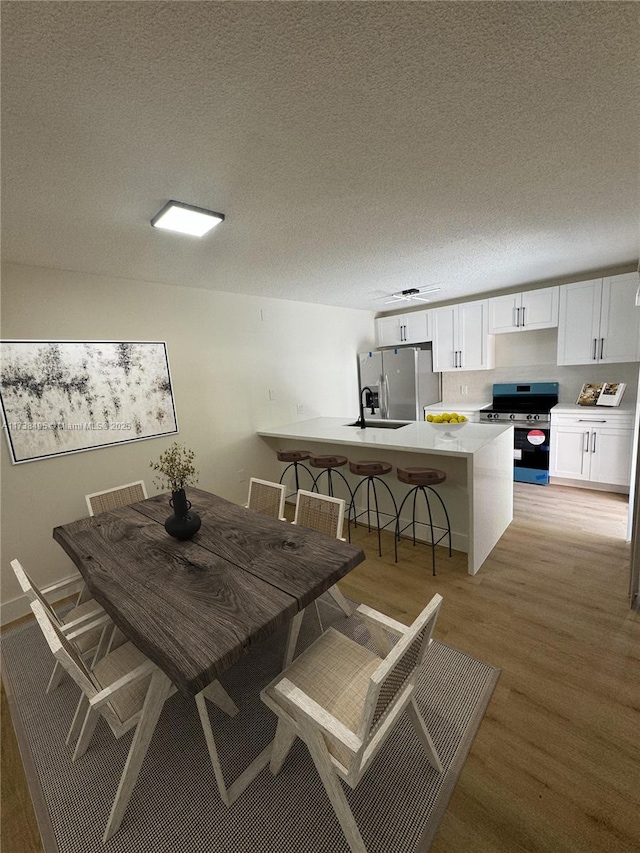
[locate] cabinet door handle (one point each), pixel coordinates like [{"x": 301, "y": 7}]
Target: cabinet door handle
[
  {"x": 585, "y": 445},
  {"x": 455, "y": 358},
  {"x": 590, "y": 421},
  {"x": 595, "y": 348},
  {"x": 593, "y": 441},
  {"x": 522, "y": 324},
  {"x": 601, "y": 348},
  {"x": 517, "y": 318}
]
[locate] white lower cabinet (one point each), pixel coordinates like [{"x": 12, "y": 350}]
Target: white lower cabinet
[{"x": 594, "y": 448}]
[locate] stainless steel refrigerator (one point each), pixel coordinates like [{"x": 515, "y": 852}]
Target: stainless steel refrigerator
[{"x": 402, "y": 383}]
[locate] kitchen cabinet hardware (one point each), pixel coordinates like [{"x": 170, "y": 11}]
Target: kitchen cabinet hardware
[
  {"x": 586, "y": 443},
  {"x": 593, "y": 441}
]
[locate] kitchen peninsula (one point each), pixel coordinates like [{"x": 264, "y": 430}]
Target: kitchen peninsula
[{"x": 477, "y": 459}]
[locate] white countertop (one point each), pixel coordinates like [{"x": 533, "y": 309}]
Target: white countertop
[
  {"x": 574, "y": 408},
  {"x": 415, "y": 437},
  {"x": 470, "y": 406}
]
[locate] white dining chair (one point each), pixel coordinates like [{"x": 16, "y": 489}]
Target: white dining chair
[
  {"x": 267, "y": 498},
  {"x": 116, "y": 497},
  {"x": 85, "y": 642},
  {"x": 324, "y": 514},
  {"x": 344, "y": 701}
]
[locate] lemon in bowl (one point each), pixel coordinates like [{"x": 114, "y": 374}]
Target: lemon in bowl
[{"x": 447, "y": 422}]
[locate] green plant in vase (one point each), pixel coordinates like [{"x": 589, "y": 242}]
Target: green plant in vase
[{"x": 176, "y": 470}]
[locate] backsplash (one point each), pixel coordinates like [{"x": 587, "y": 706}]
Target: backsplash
[{"x": 531, "y": 357}]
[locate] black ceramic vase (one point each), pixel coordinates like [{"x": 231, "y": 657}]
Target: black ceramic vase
[{"x": 183, "y": 523}]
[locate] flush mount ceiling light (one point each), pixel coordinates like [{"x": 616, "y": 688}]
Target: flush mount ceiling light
[
  {"x": 412, "y": 294},
  {"x": 186, "y": 219}
]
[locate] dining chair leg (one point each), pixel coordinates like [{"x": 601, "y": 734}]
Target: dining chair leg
[
  {"x": 159, "y": 690},
  {"x": 292, "y": 638},
  {"x": 56, "y": 677},
  {"x": 282, "y": 743},
  {"x": 333, "y": 787},
  {"x": 339, "y": 599},
  {"x": 88, "y": 727},
  {"x": 78, "y": 719},
  {"x": 423, "y": 733}
]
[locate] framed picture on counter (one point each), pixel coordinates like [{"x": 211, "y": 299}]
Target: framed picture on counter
[
  {"x": 590, "y": 393},
  {"x": 611, "y": 393}
]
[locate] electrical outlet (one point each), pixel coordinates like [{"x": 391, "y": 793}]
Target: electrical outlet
[
  {"x": 272, "y": 394},
  {"x": 242, "y": 476},
  {"x": 263, "y": 315},
  {"x": 300, "y": 409},
  {"x": 463, "y": 390}
]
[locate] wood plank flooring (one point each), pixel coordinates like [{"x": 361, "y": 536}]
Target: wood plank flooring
[{"x": 556, "y": 764}]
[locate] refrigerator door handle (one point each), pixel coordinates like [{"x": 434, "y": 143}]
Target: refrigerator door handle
[{"x": 384, "y": 411}]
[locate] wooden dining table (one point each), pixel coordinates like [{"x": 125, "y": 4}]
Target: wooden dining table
[{"x": 195, "y": 607}]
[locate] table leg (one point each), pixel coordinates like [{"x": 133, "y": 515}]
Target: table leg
[
  {"x": 292, "y": 638},
  {"x": 159, "y": 690},
  {"x": 230, "y": 794}
]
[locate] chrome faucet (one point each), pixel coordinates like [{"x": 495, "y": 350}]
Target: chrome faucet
[{"x": 361, "y": 420}]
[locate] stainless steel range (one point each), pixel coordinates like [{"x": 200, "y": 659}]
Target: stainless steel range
[{"x": 527, "y": 406}]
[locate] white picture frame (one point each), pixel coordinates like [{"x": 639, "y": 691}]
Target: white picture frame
[
  {"x": 61, "y": 397},
  {"x": 611, "y": 393}
]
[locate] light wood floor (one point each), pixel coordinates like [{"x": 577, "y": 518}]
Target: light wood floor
[{"x": 556, "y": 764}]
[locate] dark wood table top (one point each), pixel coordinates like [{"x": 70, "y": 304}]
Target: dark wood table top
[{"x": 195, "y": 607}]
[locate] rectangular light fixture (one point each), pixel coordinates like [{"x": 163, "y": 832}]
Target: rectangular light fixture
[{"x": 186, "y": 219}]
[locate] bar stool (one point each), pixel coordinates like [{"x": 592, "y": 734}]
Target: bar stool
[
  {"x": 295, "y": 459},
  {"x": 329, "y": 465},
  {"x": 423, "y": 480},
  {"x": 371, "y": 473}
]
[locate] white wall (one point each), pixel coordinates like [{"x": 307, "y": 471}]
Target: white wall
[
  {"x": 531, "y": 357},
  {"x": 225, "y": 351}
]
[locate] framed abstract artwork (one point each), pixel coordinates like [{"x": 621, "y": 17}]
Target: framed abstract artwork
[{"x": 62, "y": 397}]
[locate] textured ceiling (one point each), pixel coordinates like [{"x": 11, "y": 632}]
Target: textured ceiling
[{"x": 356, "y": 148}]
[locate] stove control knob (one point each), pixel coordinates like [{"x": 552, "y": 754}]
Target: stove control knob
[
  {"x": 512, "y": 417},
  {"x": 529, "y": 417},
  {"x": 536, "y": 417}
]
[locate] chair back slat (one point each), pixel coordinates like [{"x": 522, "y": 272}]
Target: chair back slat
[
  {"x": 111, "y": 499},
  {"x": 401, "y": 665},
  {"x": 32, "y": 591},
  {"x": 266, "y": 498},
  {"x": 64, "y": 651},
  {"x": 321, "y": 513}
]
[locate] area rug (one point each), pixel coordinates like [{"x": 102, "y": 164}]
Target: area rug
[{"x": 175, "y": 807}]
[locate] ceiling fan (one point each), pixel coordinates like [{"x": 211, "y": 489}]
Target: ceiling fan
[{"x": 411, "y": 294}]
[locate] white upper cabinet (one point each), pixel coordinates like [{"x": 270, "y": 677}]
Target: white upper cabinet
[
  {"x": 413, "y": 328},
  {"x": 599, "y": 322},
  {"x": 517, "y": 312},
  {"x": 460, "y": 337}
]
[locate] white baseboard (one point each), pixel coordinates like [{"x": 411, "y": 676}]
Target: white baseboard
[
  {"x": 18, "y": 607},
  {"x": 587, "y": 484}
]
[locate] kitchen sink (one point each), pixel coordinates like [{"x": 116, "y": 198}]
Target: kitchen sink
[{"x": 380, "y": 424}]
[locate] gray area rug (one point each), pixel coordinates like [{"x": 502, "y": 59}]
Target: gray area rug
[{"x": 175, "y": 807}]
